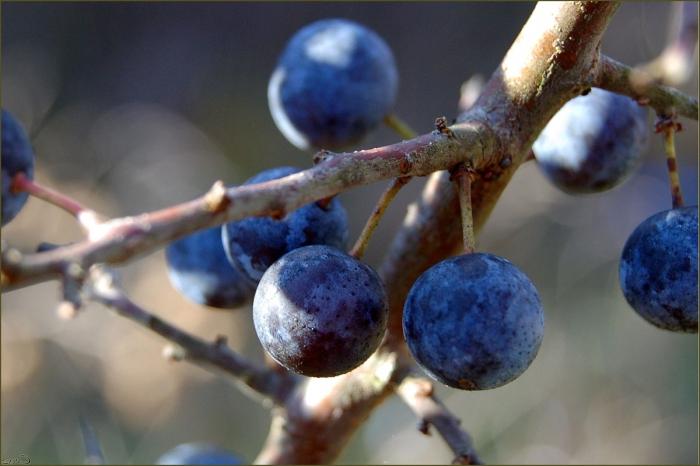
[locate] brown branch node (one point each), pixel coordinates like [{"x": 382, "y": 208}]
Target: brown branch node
[
  {"x": 322, "y": 156},
  {"x": 442, "y": 128}
]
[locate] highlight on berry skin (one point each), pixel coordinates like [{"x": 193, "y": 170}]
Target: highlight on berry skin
[
  {"x": 334, "y": 82},
  {"x": 17, "y": 157},
  {"x": 593, "y": 143},
  {"x": 659, "y": 270}
]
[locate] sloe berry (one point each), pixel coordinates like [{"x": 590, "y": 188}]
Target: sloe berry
[
  {"x": 659, "y": 269},
  {"x": 320, "y": 312},
  {"x": 254, "y": 243},
  {"x": 334, "y": 82},
  {"x": 473, "y": 321},
  {"x": 17, "y": 157},
  {"x": 198, "y": 453},
  {"x": 593, "y": 143},
  {"x": 198, "y": 268}
]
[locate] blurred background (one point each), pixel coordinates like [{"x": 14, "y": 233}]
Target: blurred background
[{"x": 136, "y": 106}]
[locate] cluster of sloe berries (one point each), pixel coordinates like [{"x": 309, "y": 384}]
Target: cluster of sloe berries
[
  {"x": 473, "y": 321},
  {"x": 317, "y": 310}
]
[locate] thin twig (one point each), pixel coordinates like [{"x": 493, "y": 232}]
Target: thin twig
[
  {"x": 271, "y": 384},
  {"x": 120, "y": 239},
  {"x": 418, "y": 394},
  {"x": 358, "y": 250},
  {"x": 87, "y": 218},
  {"x": 617, "y": 77}
]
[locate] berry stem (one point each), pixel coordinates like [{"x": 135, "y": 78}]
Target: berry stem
[
  {"x": 399, "y": 126},
  {"x": 86, "y": 217},
  {"x": 405, "y": 131},
  {"x": 462, "y": 176},
  {"x": 669, "y": 131},
  {"x": 358, "y": 250}
]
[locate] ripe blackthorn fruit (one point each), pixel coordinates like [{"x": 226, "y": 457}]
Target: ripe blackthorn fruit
[
  {"x": 17, "y": 157},
  {"x": 253, "y": 244},
  {"x": 659, "y": 269},
  {"x": 593, "y": 143},
  {"x": 473, "y": 321},
  {"x": 334, "y": 82},
  {"x": 198, "y": 268},
  {"x": 198, "y": 453},
  {"x": 320, "y": 312}
]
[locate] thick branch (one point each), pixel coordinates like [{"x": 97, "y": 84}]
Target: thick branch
[
  {"x": 319, "y": 418},
  {"x": 617, "y": 77},
  {"x": 272, "y": 384},
  {"x": 418, "y": 394}
]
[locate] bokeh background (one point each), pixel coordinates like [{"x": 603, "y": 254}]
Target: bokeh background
[{"x": 135, "y": 106}]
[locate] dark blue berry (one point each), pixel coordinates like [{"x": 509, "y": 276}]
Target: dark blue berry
[
  {"x": 659, "y": 269},
  {"x": 593, "y": 143},
  {"x": 17, "y": 157},
  {"x": 198, "y": 268},
  {"x": 473, "y": 321},
  {"x": 253, "y": 244},
  {"x": 320, "y": 312},
  {"x": 198, "y": 453},
  {"x": 335, "y": 81}
]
